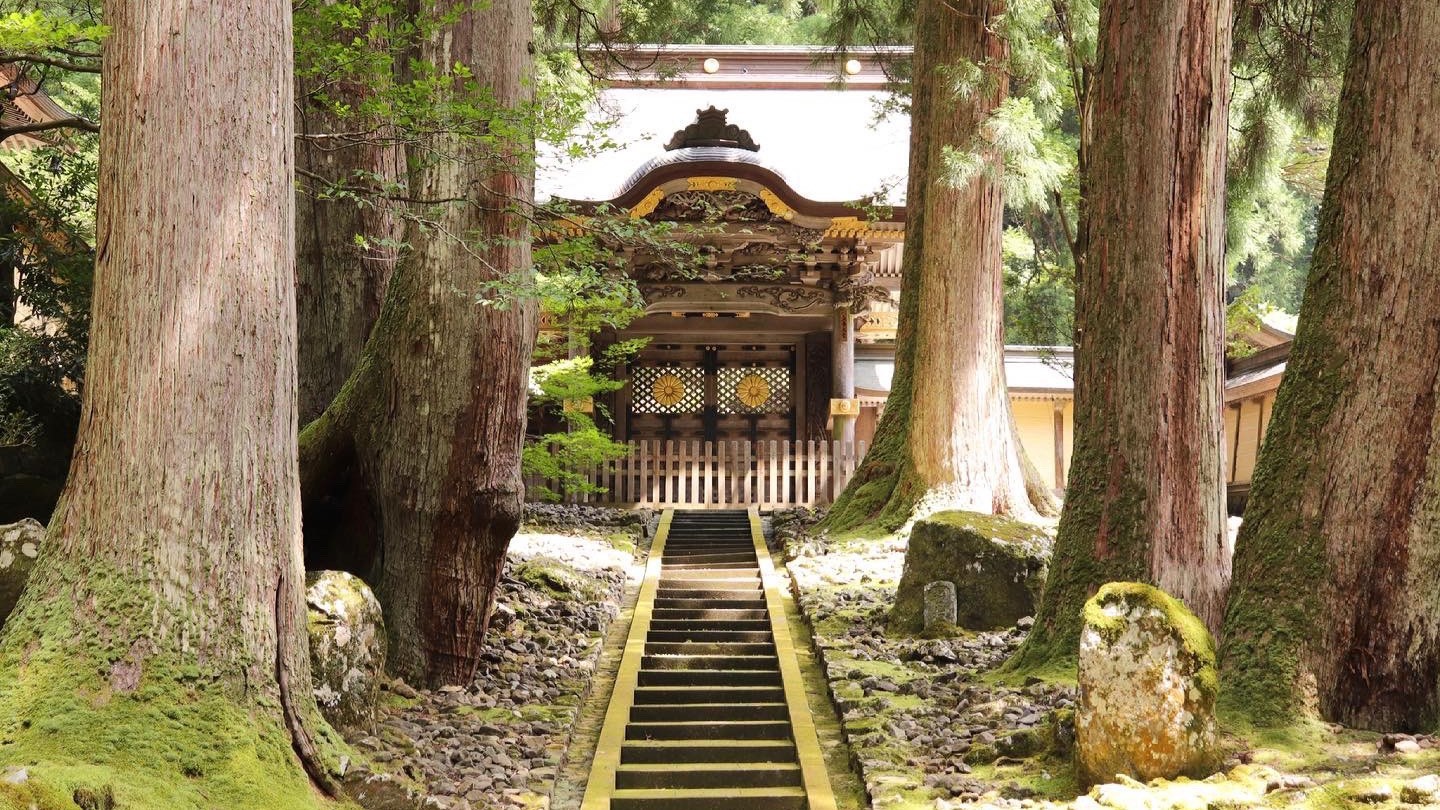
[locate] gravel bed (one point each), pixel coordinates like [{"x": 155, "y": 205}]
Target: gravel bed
[
  {"x": 499, "y": 742},
  {"x": 930, "y": 726}
]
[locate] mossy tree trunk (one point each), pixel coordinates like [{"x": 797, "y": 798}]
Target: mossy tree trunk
[
  {"x": 947, "y": 439},
  {"x": 415, "y": 468},
  {"x": 1335, "y": 607},
  {"x": 345, "y": 242},
  {"x": 160, "y": 649},
  {"x": 1145, "y": 501}
]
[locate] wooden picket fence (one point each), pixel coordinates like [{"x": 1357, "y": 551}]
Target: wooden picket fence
[{"x": 721, "y": 475}]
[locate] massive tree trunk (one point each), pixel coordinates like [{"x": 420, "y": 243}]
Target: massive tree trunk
[
  {"x": 345, "y": 241},
  {"x": 1336, "y": 601},
  {"x": 947, "y": 440},
  {"x": 420, "y": 453},
  {"x": 160, "y": 648},
  {"x": 1145, "y": 500}
]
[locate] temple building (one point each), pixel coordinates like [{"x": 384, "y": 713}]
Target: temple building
[
  {"x": 771, "y": 348},
  {"x": 778, "y": 170}
]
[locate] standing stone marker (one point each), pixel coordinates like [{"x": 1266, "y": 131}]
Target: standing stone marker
[
  {"x": 1147, "y": 688},
  {"x": 939, "y": 607}
]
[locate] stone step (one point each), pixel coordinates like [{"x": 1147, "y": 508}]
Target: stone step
[
  {"x": 709, "y": 548},
  {"x": 708, "y": 648},
  {"x": 679, "y": 712},
  {"x": 653, "y": 751},
  {"x": 771, "y": 798},
  {"x": 708, "y": 677},
  {"x": 689, "y": 695},
  {"x": 681, "y": 579},
  {"x": 755, "y": 601},
  {"x": 710, "y": 593},
  {"x": 738, "y": 567},
  {"x": 709, "y": 730},
  {"x": 710, "y": 662},
  {"x": 708, "y": 774},
  {"x": 709, "y": 636},
  {"x": 711, "y": 614},
  {"x": 710, "y": 625},
  {"x": 712, "y": 554}
]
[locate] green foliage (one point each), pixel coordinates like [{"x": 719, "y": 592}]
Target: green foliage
[
  {"x": 42, "y": 358},
  {"x": 35, "y": 31},
  {"x": 1039, "y": 292},
  {"x": 723, "y": 22},
  {"x": 1245, "y": 315},
  {"x": 564, "y": 456}
]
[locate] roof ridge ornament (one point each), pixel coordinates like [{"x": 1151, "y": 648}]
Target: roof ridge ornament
[{"x": 711, "y": 129}]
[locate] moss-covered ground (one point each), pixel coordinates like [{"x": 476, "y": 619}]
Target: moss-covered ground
[
  {"x": 897, "y": 695},
  {"x": 82, "y": 728}
]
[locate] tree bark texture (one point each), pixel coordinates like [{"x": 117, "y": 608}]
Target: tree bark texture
[
  {"x": 340, "y": 281},
  {"x": 162, "y": 638},
  {"x": 947, "y": 440},
  {"x": 423, "y": 444},
  {"x": 1336, "y": 603},
  {"x": 1145, "y": 500}
]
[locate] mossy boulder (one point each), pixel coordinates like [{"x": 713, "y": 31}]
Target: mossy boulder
[
  {"x": 347, "y": 648},
  {"x": 997, "y": 565},
  {"x": 19, "y": 548},
  {"x": 1147, "y": 688},
  {"x": 556, "y": 579}
]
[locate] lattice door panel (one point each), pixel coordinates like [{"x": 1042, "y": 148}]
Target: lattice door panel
[
  {"x": 662, "y": 390},
  {"x": 761, "y": 389}
]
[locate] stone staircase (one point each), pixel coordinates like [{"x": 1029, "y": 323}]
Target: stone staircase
[{"x": 709, "y": 725}]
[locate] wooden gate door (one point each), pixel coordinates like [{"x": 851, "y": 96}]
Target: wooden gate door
[{"x": 712, "y": 393}]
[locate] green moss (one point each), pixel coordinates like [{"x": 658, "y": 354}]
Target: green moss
[
  {"x": 997, "y": 565},
  {"x": 1273, "y": 615},
  {"x": 622, "y": 541},
  {"x": 1094, "y": 505},
  {"x": 981, "y": 754},
  {"x": 1187, "y": 629},
  {"x": 185, "y": 736},
  {"x": 554, "y": 577}
]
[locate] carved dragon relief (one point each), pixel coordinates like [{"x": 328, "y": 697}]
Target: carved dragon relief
[
  {"x": 652, "y": 292},
  {"x": 790, "y": 297},
  {"x": 858, "y": 291},
  {"x": 712, "y": 206}
]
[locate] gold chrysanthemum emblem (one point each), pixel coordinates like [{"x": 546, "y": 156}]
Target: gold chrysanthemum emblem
[
  {"x": 753, "y": 390},
  {"x": 667, "y": 390}
]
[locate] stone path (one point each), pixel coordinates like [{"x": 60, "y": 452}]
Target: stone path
[{"x": 709, "y": 712}]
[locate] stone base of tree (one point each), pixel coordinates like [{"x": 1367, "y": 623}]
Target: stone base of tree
[{"x": 997, "y": 566}]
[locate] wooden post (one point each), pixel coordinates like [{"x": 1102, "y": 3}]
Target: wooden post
[
  {"x": 786, "y": 472},
  {"x": 842, "y": 364},
  {"x": 720, "y": 483},
  {"x": 694, "y": 473},
  {"x": 809, "y": 497},
  {"x": 1059, "y": 444},
  {"x": 774, "y": 479}
]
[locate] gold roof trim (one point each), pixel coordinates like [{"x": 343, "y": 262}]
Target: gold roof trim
[
  {"x": 711, "y": 183},
  {"x": 856, "y": 228}
]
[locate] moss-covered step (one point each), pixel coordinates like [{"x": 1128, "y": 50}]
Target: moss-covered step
[{"x": 997, "y": 565}]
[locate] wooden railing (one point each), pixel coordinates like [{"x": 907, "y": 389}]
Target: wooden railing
[{"x": 717, "y": 475}]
